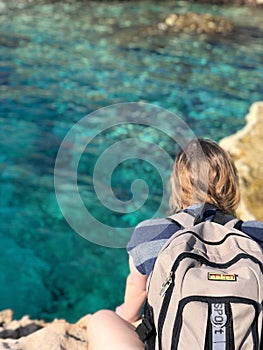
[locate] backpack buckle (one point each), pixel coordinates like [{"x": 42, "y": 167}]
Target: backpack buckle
[{"x": 145, "y": 329}]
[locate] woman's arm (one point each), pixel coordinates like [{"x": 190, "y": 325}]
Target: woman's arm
[{"x": 135, "y": 294}]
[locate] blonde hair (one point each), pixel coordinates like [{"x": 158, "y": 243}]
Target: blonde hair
[{"x": 204, "y": 172}]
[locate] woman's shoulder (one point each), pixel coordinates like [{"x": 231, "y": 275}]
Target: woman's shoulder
[
  {"x": 253, "y": 223},
  {"x": 153, "y": 223},
  {"x": 151, "y": 230},
  {"x": 147, "y": 240},
  {"x": 254, "y": 229}
]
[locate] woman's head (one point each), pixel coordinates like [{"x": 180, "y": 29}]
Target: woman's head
[{"x": 204, "y": 172}]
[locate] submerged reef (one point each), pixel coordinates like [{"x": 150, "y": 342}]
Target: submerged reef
[{"x": 196, "y": 23}]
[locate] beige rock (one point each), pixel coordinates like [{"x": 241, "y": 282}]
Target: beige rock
[
  {"x": 246, "y": 148},
  {"x": 58, "y": 335},
  {"x": 6, "y": 317}
]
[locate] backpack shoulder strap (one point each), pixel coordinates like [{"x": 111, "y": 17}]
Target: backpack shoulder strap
[
  {"x": 227, "y": 220},
  {"x": 234, "y": 223},
  {"x": 183, "y": 219}
]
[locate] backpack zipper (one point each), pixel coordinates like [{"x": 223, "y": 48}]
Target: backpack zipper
[
  {"x": 165, "y": 285},
  {"x": 166, "y": 294}
]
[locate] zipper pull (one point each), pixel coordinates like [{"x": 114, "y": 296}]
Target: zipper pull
[{"x": 165, "y": 285}]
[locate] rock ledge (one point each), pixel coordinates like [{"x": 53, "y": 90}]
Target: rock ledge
[
  {"x": 27, "y": 334},
  {"x": 246, "y": 148}
]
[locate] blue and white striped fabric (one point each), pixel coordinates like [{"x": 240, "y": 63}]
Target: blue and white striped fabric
[{"x": 150, "y": 235}]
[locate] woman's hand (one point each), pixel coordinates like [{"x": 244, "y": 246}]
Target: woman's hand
[{"x": 119, "y": 310}]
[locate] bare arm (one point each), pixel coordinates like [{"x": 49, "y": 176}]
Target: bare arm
[{"x": 135, "y": 294}]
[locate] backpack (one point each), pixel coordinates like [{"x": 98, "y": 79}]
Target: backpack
[{"x": 205, "y": 291}]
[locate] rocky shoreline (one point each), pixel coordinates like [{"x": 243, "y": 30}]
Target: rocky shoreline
[
  {"x": 246, "y": 149},
  {"x": 27, "y": 334}
]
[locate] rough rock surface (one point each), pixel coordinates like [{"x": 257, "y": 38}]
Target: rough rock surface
[
  {"x": 246, "y": 148},
  {"x": 27, "y": 334}
]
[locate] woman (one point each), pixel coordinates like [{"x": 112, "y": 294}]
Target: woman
[{"x": 202, "y": 173}]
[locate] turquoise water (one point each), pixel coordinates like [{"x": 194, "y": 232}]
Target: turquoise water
[{"x": 60, "y": 62}]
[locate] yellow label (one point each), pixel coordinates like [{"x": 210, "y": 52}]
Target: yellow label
[{"x": 230, "y": 277}]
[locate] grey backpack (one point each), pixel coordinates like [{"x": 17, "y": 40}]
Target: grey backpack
[{"x": 206, "y": 290}]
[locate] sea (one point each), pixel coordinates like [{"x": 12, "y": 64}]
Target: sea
[{"x": 95, "y": 99}]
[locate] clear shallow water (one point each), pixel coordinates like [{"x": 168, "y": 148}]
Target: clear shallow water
[{"x": 59, "y": 62}]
